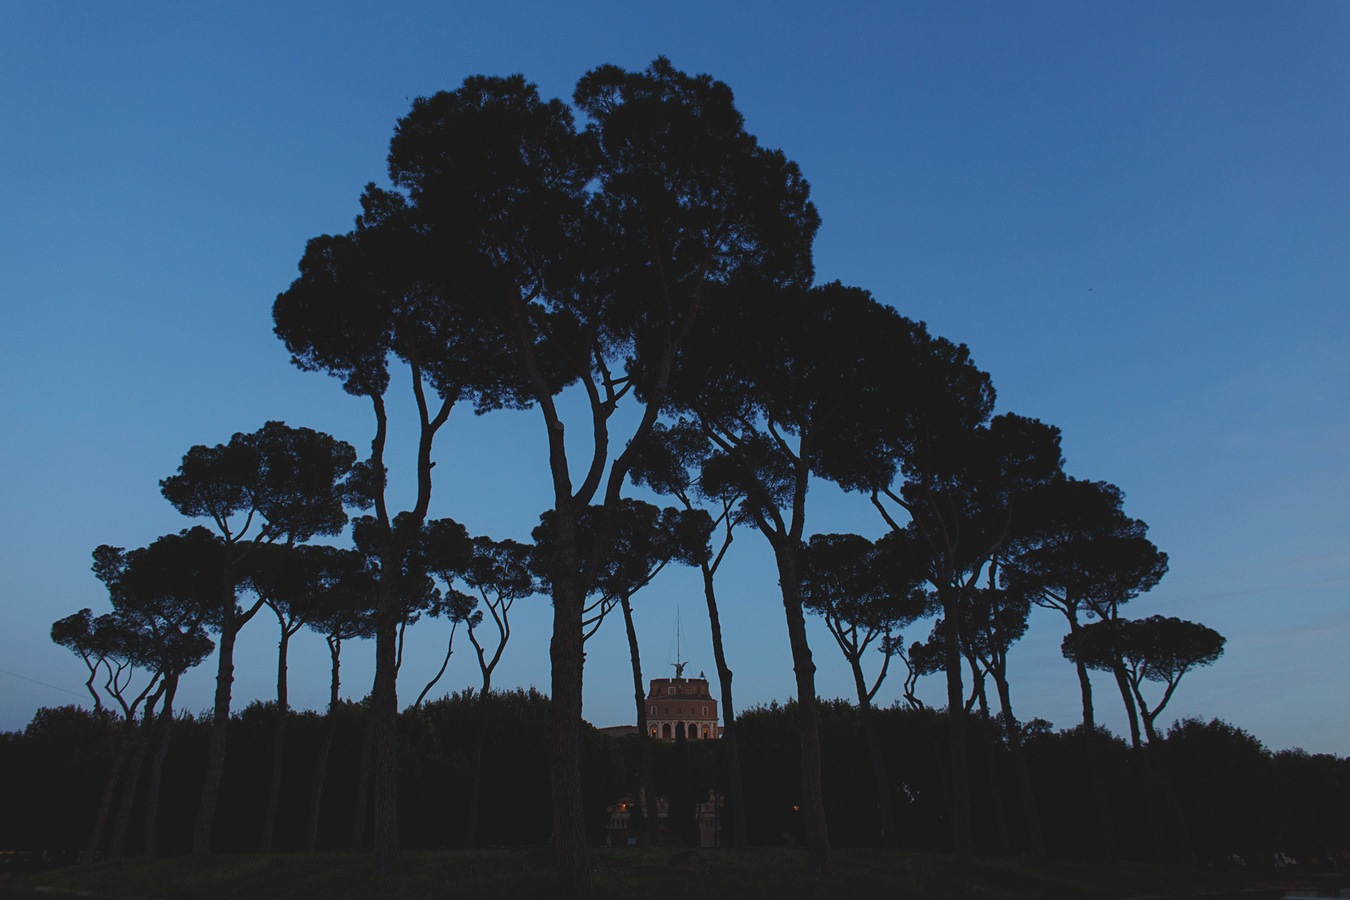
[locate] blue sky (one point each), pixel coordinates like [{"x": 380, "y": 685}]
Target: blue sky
[{"x": 1136, "y": 215}]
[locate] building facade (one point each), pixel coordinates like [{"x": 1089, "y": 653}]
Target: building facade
[{"x": 682, "y": 704}]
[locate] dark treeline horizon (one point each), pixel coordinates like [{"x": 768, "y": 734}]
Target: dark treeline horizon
[{"x": 1233, "y": 797}]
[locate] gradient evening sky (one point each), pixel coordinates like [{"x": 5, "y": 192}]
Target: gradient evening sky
[{"x": 1136, "y": 215}]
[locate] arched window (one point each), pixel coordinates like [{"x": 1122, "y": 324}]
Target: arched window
[
  {"x": 665, "y": 732},
  {"x": 693, "y": 731},
  {"x": 653, "y": 710},
  {"x": 705, "y": 710}
]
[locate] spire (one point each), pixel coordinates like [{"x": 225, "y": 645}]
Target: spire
[{"x": 679, "y": 663}]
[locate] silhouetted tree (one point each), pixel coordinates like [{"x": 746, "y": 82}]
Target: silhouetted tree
[
  {"x": 963, "y": 483},
  {"x": 396, "y": 559},
  {"x": 447, "y": 551},
  {"x": 1079, "y": 554},
  {"x": 343, "y": 591},
  {"x": 392, "y": 290},
  {"x": 591, "y": 255},
  {"x": 499, "y": 571},
  {"x": 114, "y": 652},
  {"x": 1159, "y": 648},
  {"x": 292, "y": 581},
  {"x": 168, "y": 594},
  {"x": 669, "y": 464},
  {"x": 995, "y": 620},
  {"x": 278, "y": 483},
  {"x": 866, "y": 595},
  {"x": 787, "y": 384},
  {"x": 623, "y": 548}
]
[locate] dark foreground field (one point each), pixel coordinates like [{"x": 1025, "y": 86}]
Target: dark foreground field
[{"x": 768, "y": 874}]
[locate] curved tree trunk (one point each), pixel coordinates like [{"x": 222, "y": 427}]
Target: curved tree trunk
[
  {"x": 821, "y": 861},
  {"x": 644, "y": 739},
  {"x": 445, "y": 664},
  {"x": 730, "y": 748},
  {"x": 1127, "y": 695}
]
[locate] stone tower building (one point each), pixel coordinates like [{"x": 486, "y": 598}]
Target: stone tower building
[{"x": 682, "y": 703}]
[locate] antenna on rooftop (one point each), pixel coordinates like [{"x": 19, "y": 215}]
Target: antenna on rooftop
[{"x": 679, "y": 663}]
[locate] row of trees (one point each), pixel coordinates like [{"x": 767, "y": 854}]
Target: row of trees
[
  {"x": 1237, "y": 798},
  {"x": 656, "y": 259}
]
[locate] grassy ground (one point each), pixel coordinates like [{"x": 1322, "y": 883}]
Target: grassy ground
[{"x": 656, "y": 874}]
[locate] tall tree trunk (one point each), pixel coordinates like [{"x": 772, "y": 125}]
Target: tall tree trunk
[
  {"x": 1084, "y": 683},
  {"x": 140, "y": 738},
  {"x": 157, "y": 770},
  {"x": 384, "y": 717},
  {"x": 321, "y": 763},
  {"x": 363, "y": 782},
  {"x": 730, "y": 748},
  {"x": 1035, "y": 837},
  {"x": 117, "y": 747},
  {"x": 1148, "y": 716},
  {"x": 1179, "y": 846},
  {"x": 566, "y": 655},
  {"x": 1127, "y": 695},
  {"x": 885, "y": 796},
  {"x": 283, "y": 713},
  {"x": 991, "y": 759},
  {"x": 475, "y": 786},
  {"x": 1164, "y": 849},
  {"x": 220, "y": 723},
  {"x": 890, "y": 828},
  {"x": 567, "y": 658},
  {"x": 956, "y": 723},
  {"x": 640, "y": 698},
  {"x": 1106, "y": 813},
  {"x": 820, "y": 860}
]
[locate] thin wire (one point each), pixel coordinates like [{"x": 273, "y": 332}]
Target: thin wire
[{"x": 43, "y": 683}]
